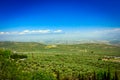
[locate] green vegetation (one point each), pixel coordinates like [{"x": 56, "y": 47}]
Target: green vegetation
[
  {"x": 18, "y": 56},
  {"x": 35, "y": 61},
  {"x": 8, "y": 68}
]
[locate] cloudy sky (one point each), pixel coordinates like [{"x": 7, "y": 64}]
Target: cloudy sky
[{"x": 59, "y": 18}]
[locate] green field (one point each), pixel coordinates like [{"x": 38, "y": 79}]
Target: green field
[{"x": 63, "y": 62}]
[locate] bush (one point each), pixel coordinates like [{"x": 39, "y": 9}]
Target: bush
[
  {"x": 8, "y": 69},
  {"x": 18, "y": 56},
  {"x": 43, "y": 76},
  {"x": 5, "y": 53}
]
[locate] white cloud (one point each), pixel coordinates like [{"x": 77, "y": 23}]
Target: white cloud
[
  {"x": 7, "y": 32},
  {"x": 21, "y": 33},
  {"x": 43, "y": 31},
  {"x": 26, "y": 31},
  {"x": 57, "y": 31},
  {"x": 32, "y": 32},
  {"x": 108, "y": 33},
  {"x": 114, "y": 30},
  {"x": 2, "y": 33}
]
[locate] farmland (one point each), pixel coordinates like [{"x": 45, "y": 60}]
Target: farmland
[{"x": 89, "y": 61}]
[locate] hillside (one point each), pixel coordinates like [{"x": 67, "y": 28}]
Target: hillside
[
  {"x": 22, "y": 46},
  {"x": 38, "y": 47},
  {"x": 63, "y": 62}
]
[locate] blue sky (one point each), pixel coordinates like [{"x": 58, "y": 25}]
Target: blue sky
[{"x": 59, "y": 16}]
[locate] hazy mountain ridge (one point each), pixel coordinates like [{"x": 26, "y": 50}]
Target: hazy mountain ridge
[
  {"x": 36, "y": 46},
  {"x": 57, "y": 41}
]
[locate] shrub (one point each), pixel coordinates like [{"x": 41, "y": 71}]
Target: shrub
[
  {"x": 8, "y": 68},
  {"x": 5, "y": 53},
  {"x": 18, "y": 56},
  {"x": 42, "y": 76}
]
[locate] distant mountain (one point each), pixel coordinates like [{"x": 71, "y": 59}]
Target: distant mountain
[
  {"x": 22, "y": 46},
  {"x": 115, "y": 42}
]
